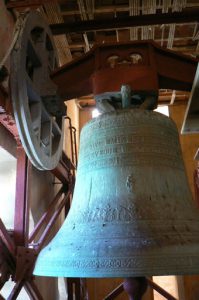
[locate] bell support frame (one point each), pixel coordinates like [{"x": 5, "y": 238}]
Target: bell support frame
[
  {"x": 162, "y": 77},
  {"x": 17, "y": 250}
]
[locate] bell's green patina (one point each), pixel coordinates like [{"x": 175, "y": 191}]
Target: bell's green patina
[{"x": 132, "y": 212}]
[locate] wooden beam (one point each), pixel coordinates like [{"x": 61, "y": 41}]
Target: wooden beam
[
  {"x": 46, "y": 216},
  {"x": 27, "y": 3},
  {"x": 160, "y": 290},
  {"x": 131, "y": 21},
  {"x": 8, "y": 242},
  {"x": 111, "y": 9},
  {"x": 32, "y": 290},
  {"x": 191, "y": 119},
  {"x": 21, "y": 219},
  {"x": 183, "y": 44},
  {"x": 16, "y": 290}
]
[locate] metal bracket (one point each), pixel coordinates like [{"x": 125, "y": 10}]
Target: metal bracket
[{"x": 25, "y": 263}]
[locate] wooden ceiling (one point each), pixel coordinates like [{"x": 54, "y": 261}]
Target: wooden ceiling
[
  {"x": 181, "y": 37},
  {"x": 96, "y": 22},
  {"x": 78, "y": 24}
]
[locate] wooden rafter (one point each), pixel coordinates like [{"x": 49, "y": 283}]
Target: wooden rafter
[{"x": 131, "y": 21}]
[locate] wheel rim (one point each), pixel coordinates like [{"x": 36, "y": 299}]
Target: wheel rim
[{"x": 39, "y": 120}]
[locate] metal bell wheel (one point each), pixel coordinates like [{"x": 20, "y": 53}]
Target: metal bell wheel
[{"x": 37, "y": 109}]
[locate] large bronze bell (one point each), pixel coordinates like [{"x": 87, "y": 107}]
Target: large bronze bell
[{"x": 132, "y": 212}]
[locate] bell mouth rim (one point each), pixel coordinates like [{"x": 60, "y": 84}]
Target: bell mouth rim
[
  {"x": 147, "y": 270},
  {"x": 161, "y": 261}
]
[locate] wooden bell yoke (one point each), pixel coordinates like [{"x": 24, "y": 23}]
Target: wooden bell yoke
[{"x": 143, "y": 65}]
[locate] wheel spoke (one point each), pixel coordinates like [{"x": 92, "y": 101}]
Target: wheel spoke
[
  {"x": 33, "y": 59},
  {"x": 56, "y": 130},
  {"x": 46, "y": 137},
  {"x": 38, "y": 38},
  {"x": 35, "y": 112},
  {"x": 51, "y": 54},
  {"x": 32, "y": 90}
]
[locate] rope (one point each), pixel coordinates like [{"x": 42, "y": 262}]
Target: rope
[
  {"x": 148, "y": 7},
  {"x": 134, "y": 11},
  {"x": 86, "y": 13}
]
